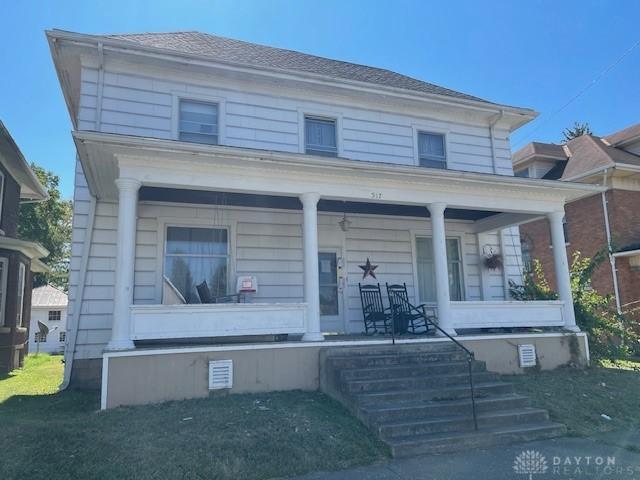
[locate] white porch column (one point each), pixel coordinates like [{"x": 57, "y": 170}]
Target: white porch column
[
  {"x": 311, "y": 279},
  {"x": 125, "y": 259},
  {"x": 440, "y": 264},
  {"x": 561, "y": 264}
]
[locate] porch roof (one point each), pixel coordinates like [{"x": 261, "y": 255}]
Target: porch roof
[{"x": 175, "y": 164}]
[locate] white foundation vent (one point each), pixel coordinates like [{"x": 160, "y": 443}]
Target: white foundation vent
[
  {"x": 220, "y": 374},
  {"x": 527, "y": 355}
]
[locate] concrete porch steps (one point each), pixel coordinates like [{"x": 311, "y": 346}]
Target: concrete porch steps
[{"x": 417, "y": 398}]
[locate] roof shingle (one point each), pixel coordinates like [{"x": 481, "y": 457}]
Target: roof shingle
[
  {"x": 48, "y": 296},
  {"x": 239, "y": 52}
]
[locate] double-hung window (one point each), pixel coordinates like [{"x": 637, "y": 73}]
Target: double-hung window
[
  {"x": 426, "y": 270},
  {"x": 194, "y": 255},
  {"x": 320, "y": 136},
  {"x": 55, "y": 315},
  {"x": 22, "y": 273},
  {"x": 198, "y": 122},
  {"x": 431, "y": 150},
  {"x": 4, "y": 265}
]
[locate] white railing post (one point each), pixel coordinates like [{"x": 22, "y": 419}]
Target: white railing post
[
  {"x": 311, "y": 280},
  {"x": 561, "y": 264},
  {"x": 125, "y": 259},
  {"x": 445, "y": 320}
]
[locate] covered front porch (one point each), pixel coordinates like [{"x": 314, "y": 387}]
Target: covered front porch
[{"x": 303, "y": 227}]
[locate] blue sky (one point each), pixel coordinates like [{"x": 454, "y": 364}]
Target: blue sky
[{"x": 536, "y": 54}]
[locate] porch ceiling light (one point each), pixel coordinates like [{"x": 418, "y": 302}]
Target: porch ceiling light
[{"x": 344, "y": 223}]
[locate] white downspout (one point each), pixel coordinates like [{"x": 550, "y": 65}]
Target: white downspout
[
  {"x": 492, "y": 124},
  {"x": 612, "y": 259},
  {"x": 505, "y": 274},
  {"x": 74, "y": 319},
  {"x": 100, "y": 87}
]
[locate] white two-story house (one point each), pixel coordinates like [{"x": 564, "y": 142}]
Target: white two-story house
[{"x": 208, "y": 160}]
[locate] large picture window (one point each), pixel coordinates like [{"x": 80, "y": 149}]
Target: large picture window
[
  {"x": 426, "y": 270},
  {"x": 194, "y": 255}
]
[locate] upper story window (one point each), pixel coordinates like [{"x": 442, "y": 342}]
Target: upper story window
[
  {"x": 431, "y": 150},
  {"x": 320, "y": 136},
  {"x": 198, "y": 122},
  {"x": 22, "y": 273},
  {"x": 55, "y": 315}
]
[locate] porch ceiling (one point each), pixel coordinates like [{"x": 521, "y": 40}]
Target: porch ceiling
[
  {"x": 178, "y": 165},
  {"x": 207, "y": 197}
]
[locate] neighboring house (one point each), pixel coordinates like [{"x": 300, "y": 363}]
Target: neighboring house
[
  {"x": 48, "y": 332},
  {"x": 609, "y": 220},
  {"x": 18, "y": 258},
  {"x": 202, "y": 158}
]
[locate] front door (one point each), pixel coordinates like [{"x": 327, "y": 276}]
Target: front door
[{"x": 330, "y": 273}]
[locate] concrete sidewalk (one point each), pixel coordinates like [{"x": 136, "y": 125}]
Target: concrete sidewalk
[{"x": 565, "y": 458}]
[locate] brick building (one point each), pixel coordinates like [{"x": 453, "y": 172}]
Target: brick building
[
  {"x": 19, "y": 259},
  {"x": 610, "y": 218}
]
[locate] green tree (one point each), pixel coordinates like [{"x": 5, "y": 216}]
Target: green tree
[
  {"x": 49, "y": 224},
  {"x": 610, "y": 335},
  {"x": 576, "y": 131}
]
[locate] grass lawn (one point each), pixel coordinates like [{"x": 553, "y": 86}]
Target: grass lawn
[
  {"x": 579, "y": 398},
  {"x": 52, "y": 435}
]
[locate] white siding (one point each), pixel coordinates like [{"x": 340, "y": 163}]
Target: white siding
[
  {"x": 146, "y": 106},
  {"x": 266, "y": 243},
  {"x": 53, "y": 343}
]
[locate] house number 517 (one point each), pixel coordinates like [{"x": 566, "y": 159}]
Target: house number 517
[{"x": 376, "y": 195}]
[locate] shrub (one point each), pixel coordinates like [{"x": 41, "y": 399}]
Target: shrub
[{"x": 610, "y": 335}]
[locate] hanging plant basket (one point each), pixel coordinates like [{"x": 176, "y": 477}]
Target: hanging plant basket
[{"x": 492, "y": 260}]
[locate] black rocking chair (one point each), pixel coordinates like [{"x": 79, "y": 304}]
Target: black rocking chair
[
  {"x": 407, "y": 317},
  {"x": 205, "y": 295},
  {"x": 376, "y": 317}
]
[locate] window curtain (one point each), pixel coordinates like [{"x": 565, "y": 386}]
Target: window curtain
[{"x": 194, "y": 255}]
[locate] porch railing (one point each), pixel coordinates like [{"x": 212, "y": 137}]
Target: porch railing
[{"x": 431, "y": 320}]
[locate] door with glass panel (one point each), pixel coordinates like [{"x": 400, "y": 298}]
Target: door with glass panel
[
  {"x": 426, "y": 270},
  {"x": 194, "y": 255},
  {"x": 330, "y": 291}
]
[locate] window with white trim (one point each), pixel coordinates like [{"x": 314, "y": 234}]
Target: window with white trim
[
  {"x": 522, "y": 173},
  {"x": 55, "y": 315},
  {"x": 432, "y": 151},
  {"x": 22, "y": 273},
  {"x": 62, "y": 336},
  {"x": 194, "y": 255},
  {"x": 4, "y": 265},
  {"x": 320, "y": 136},
  {"x": 198, "y": 122},
  {"x": 41, "y": 337},
  {"x": 426, "y": 270}
]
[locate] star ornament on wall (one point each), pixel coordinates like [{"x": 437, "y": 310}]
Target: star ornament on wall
[{"x": 368, "y": 269}]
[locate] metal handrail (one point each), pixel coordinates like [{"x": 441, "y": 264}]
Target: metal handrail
[{"x": 469, "y": 353}]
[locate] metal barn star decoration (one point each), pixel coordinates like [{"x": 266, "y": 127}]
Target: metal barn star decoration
[{"x": 368, "y": 269}]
